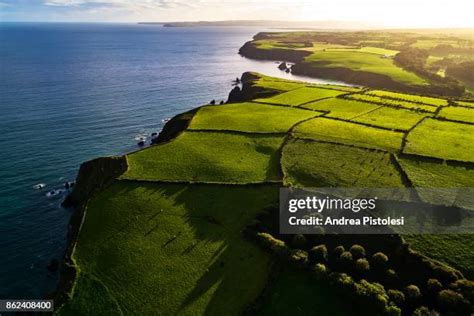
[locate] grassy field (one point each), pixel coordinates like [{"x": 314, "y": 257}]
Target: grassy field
[
  {"x": 300, "y": 96},
  {"x": 393, "y": 103},
  {"x": 362, "y": 61},
  {"x": 368, "y": 50},
  {"x": 468, "y": 104},
  {"x": 209, "y": 157},
  {"x": 289, "y": 296},
  {"x": 457, "y": 113},
  {"x": 249, "y": 117},
  {"x": 454, "y": 250},
  {"x": 408, "y": 97},
  {"x": 313, "y": 164},
  {"x": 398, "y": 119},
  {"x": 341, "y": 108},
  {"x": 169, "y": 249},
  {"x": 342, "y": 132},
  {"x": 431, "y": 136}
]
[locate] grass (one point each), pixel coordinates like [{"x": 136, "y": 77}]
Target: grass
[
  {"x": 369, "y": 50},
  {"x": 249, "y": 117},
  {"x": 293, "y": 293},
  {"x": 300, "y": 96},
  {"x": 209, "y": 157},
  {"x": 341, "y": 108},
  {"x": 408, "y": 97},
  {"x": 170, "y": 249},
  {"x": 342, "y": 132},
  {"x": 429, "y": 174},
  {"x": 441, "y": 139},
  {"x": 313, "y": 164},
  {"x": 464, "y": 103},
  {"x": 455, "y": 250},
  {"x": 361, "y": 61},
  {"x": 393, "y": 103},
  {"x": 276, "y": 84},
  {"x": 399, "y": 119},
  {"x": 457, "y": 113}
]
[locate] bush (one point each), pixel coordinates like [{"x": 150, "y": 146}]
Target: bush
[
  {"x": 466, "y": 288},
  {"x": 446, "y": 274},
  {"x": 453, "y": 303},
  {"x": 277, "y": 246},
  {"x": 424, "y": 311},
  {"x": 357, "y": 251},
  {"x": 391, "y": 277},
  {"x": 319, "y": 271},
  {"x": 412, "y": 293},
  {"x": 379, "y": 260},
  {"x": 393, "y": 311},
  {"x": 318, "y": 254},
  {"x": 343, "y": 281},
  {"x": 434, "y": 286},
  {"x": 345, "y": 259},
  {"x": 338, "y": 251},
  {"x": 397, "y": 297},
  {"x": 362, "y": 266},
  {"x": 299, "y": 242},
  {"x": 299, "y": 257},
  {"x": 372, "y": 295}
]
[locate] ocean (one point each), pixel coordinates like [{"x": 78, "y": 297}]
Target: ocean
[{"x": 74, "y": 92}]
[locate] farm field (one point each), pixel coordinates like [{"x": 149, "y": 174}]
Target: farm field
[
  {"x": 408, "y": 97},
  {"x": 393, "y": 103},
  {"x": 216, "y": 158},
  {"x": 341, "y": 108},
  {"x": 338, "y": 165},
  {"x": 387, "y": 117},
  {"x": 431, "y": 136},
  {"x": 457, "y": 113},
  {"x": 249, "y": 117},
  {"x": 301, "y": 96},
  {"x": 467, "y": 104},
  {"x": 363, "y": 61},
  {"x": 171, "y": 234},
  {"x": 342, "y": 132},
  {"x": 173, "y": 247}
]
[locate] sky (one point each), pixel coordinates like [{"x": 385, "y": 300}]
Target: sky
[{"x": 389, "y": 13}]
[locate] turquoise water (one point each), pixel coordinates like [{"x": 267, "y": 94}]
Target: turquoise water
[{"x": 73, "y": 92}]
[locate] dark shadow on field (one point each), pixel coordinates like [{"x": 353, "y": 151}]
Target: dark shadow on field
[{"x": 214, "y": 213}]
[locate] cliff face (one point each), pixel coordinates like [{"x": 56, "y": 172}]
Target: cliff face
[
  {"x": 249, "y": 90},
  {"x": 249, "y": 50}
]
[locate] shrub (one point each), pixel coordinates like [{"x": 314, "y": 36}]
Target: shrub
[
  {"x": 466, "y": 288},
  {"x": 412, "y": 293},
  {"x": 362, "y": 265},
  {"x": 345, "y": 259},
  {"x": 338, "y": 251},
  {"x": 424, "y": 311},
  {"x": 372, "y": 295},
  {"x": 446, "y": 274},
  {"x": 343, "y": 281},
  {"x": 393, "y": 311},
  {"x": 397, "y": 297},
  {"x": 453, "y": 303},
  {"x": 277, "y": 246},
  {"x": 357, "y": 251},
  {"x": 299, "y": 257},
  {"x": 379, "y": 260},
  {"x": 319, "y": 271},
  {"x": 318, "y": 254},
  {"x": 391, "y": 277},
  {"x": 298, "y": 242},
  {"x": 434, "y": 286}
]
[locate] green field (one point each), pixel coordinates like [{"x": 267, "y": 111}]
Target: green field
[
  {"x": 398, "y": 119},
  {"x": 301, "y": 96},
  {"x": 457, "y": 113},
  {"x": 289, "y": 296},
  {"x": 393, "y": 103},
  {"x": 169, "y": 249},
  {"x": 408, "y": 97},
  {"x": 368, "y": 50},
  {"x": 348, "y": 133},
  {"x": 209, "y": 157},
  {"x": 468, "y": 104},
  {"x": 313, "y": 164},
  {"x": 341, "y": 108},
  {"x": 362, "y": 61},
  {"x": 249, "y": 117},
  {"x": 431, "y": 136}
]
